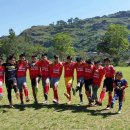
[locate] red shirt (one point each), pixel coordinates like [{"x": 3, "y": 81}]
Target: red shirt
[
  {"x": 98, "y": 76},
  {"x": 34, "y": 70},
  {"x": 45, "y": 69},
  {"x": 56, "y": 70},
  {"x": 2, "y": 72},
  {"x": 109, "y": 71},
  {"x": 21, "y": 69},
  {"x": 80, "y": 70},
  {"x": 89, "y": 70},
  {"x": 69, "y": 69}
]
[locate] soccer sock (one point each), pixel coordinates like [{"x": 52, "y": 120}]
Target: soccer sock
[
  {"x": 110, "y": 99},
  {"x": 81, "y": 97},
  {"x": 1, "y": 90},
  {"x": 25, "y": 91},
  {"x": 69, "y": 90},
  {"x": 120, "y": 105},
  {"x": 21, "y": 96},
  {"x": 88, "y": 94},
  {"x": 55, "y": 93},
  {"x": 102, "y": 95}
]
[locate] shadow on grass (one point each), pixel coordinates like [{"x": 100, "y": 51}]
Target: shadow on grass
[{"x": 94, "y": 111}]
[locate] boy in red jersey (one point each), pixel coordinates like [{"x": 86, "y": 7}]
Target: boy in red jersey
[
  {"x": 2, "y": 71},
  {"x": 34, "y": 71},
  {"x": 97, "y": 79},
  {"x": 21, "y": 77},
  {"x": 80, "y": 66},
  {"x": 69, "y": 75},
  {"x": 108, "y": 82},
  {"x": 88, "y": 76},
  {"x": 55, "y": 74},
  {"x": 45, "y": 73}
]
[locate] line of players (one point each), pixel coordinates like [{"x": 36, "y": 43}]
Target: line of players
[{"x": 88, "y": 74}]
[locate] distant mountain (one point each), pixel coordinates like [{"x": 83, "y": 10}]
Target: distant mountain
[{"x": 86, "y": 33}]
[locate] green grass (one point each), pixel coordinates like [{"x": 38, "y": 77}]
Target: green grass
[{"x": 36, "y": 117}]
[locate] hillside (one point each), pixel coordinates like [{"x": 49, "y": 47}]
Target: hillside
[{"x": 86, "y": 33}]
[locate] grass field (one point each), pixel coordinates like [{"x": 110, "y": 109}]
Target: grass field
[{"x": 39, "y": 117}]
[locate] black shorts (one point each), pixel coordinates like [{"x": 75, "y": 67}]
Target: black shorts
[
  {"x": 108, "y": 84},
  {"x": 10, "y": 82},
  {"x": 33, "y": 81},
  {"x": 88, "y": 84}
]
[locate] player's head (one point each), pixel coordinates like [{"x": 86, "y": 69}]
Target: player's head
[
  {"x": 107, "y": 61},
  {"x": 69, "y": 59},
  {"x": 79, "y": 60},
  {"x": 56, "y": 58},
  {"x": 118, "y": 75},
  {"x": 22, "y": 57},
  {"x": 12, "y": 59},
  {"x": 97, "y": 63},
  {"x": 34, "y": 58},
  {"x": 44, "y": 56},
  {"x": 88, "y": 62}
]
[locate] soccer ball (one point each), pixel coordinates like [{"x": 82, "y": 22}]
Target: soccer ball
[{"x": 1, "y": 96}]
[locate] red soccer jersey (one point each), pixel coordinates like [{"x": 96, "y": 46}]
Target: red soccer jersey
[
  {"x": 80, "y": 70},
  {"x": 69, "y": 69},
  {"x": 21, "y": 69},
  {"x": 2, "y": 71},
  {"x": 34, "y": 70},
  {"x": 98, "y": 76},
  {"x": 56, "y": 70},
  {"x": 109, "y": 71},
  {"x": 45, "y": 69},
  {"x": 89, "y": 70}
]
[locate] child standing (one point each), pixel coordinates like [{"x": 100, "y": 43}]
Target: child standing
[
  {"x": 97, "y": 79},
  {"x": 55, "y": 74},
  {"x": 119, "y": 84}
]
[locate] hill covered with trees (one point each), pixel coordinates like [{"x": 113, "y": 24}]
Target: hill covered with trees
[{"x": 86, "y": 33}]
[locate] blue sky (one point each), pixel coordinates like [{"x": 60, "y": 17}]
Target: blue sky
[{"x": 22, "y": 14}]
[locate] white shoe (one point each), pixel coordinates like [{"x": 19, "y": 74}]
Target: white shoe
[
  {"x": 119, "y": 112},
  {"x": 55, "y": 101},
  {"x": 45, "y": 102}
]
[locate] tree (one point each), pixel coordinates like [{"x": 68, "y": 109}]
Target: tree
[
  {"x": 115, "y": 41},
  {"x": 62, "y": 44}
]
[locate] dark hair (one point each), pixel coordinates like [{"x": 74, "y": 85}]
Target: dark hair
[
  {"x": 118, "y": 73},
  {"x": 88, "y": 61},
  {"x": 44, "y": 54},
  {"x": 11, "y": 57},
  {"x": 107, "y": 59},
  {"x": 69, "y": 57},
  {"x": 96, "y": 62},
  {"x": 34, "y": 56},
  {"x": 22, "y": 55},
  {"x": 78, "y": 59},
  {"x": 56, "y": 56}
]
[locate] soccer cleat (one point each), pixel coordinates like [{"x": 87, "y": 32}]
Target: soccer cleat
[
  {"x": 27, "y": 99},
  {"x": 119, "y": 111},
  {"x": 17, "y": 95},
  {"x": 55, "y": 101},
  {"x": 108, "y": 107},
  {"x": 22, "y": 103},
  {"x": 81, "y": 103},
  {"x": 45, "y": 102},
  {"x": 69, "y": 102},
  {"x": 74, "y": 91},
  {"x": 11, "y": 105}
]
